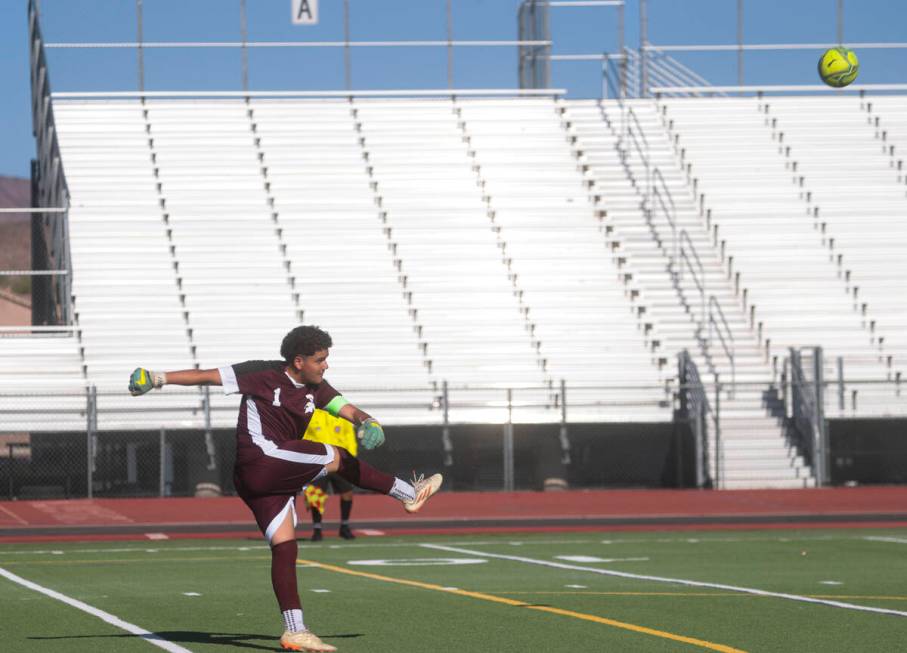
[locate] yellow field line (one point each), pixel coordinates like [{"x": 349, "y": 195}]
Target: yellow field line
[{"x": 520, "y": 604}]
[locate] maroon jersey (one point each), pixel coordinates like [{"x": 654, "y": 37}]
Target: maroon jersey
[{"x": 274, "y": 409}]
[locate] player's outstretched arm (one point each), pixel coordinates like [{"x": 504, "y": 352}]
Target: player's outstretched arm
[
  {"x": 369, "y": 431},
  {"x": 142, "y": 380}
]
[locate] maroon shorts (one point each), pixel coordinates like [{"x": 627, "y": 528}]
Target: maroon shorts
[{"x": 268, "y": 480}]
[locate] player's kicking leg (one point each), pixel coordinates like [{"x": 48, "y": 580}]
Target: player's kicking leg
[{"x": 361, "y": 474}]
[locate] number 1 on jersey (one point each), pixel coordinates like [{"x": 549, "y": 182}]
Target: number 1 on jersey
[{"x": 276, "y": 401}]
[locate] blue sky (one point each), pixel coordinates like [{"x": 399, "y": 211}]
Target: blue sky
[{"x": 574, "y": 30}]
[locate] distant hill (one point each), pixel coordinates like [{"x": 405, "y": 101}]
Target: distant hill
[
  {"x": 15, "y": 230},
  {"x": 15, "y": 251}
]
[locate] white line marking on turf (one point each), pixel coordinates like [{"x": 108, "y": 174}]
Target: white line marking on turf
[
  {"x": 147, "y": 635},
  {"x": 661, "y": 579},
  {"x": 394, "y": 545},
  {"x": 830, "y": 582},
  {"x": 191, "y": 594},
  {"x": 594, "y": 559},
  {"x": 577, "y": 587},
  {"x": 417, "y": 562},
  {"x": 321, "y": 591},
  {"x": 879, "y": 538}
]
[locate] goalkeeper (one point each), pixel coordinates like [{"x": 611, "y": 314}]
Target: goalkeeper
[
  {"x": 273, "y": 464},
  {"x": 328, "y": 429}
]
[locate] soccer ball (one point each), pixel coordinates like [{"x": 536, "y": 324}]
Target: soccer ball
[{"x": 838, "y": 67}]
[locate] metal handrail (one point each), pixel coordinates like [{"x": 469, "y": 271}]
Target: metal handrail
[
  {"x": 685, "y": 237},
  {"x": 669, "y": 209},
  {"x": 694, "y": 404},
  {"x": 728, "y": 348},
  {"x": 635, "y": 137},
  {"x": 677, "y": 69},
  {"x": 803, "y": 406},
  {"x": 772, "y": 46},
  {"x": 611, "y": 78},
  {"x": 778, "y": 88},
  {"x": 290, "y": 44},
  {"x": 543, "y": 92}
]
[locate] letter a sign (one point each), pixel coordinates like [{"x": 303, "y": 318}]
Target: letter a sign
[{"x": 305, "y": 12}]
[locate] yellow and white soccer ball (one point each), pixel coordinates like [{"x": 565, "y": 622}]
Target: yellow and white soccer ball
[{"x": 838, "y": 67}]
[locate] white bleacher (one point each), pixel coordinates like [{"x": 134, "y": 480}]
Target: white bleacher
[
  {"x": 860, "y": 208},
  {"x": 562, "y": 268},
  {"x": 41, "y": 383},
  {"x": 441, "y": 232},
  {"x": 474, "y": 241},
  {"x": 765, "y": 218},
  {"x": 125, "y": 294},
  {"x": 338, "y": 250},
  {"x": 230, "y": 262}
]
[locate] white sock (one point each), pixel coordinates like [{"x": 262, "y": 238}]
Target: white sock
[
  {"x": 292, "y": 619},
  {"x": 403, "y": 490}
]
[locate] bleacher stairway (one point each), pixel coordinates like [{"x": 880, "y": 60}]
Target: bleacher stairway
[{"x": 753, "y": 449}]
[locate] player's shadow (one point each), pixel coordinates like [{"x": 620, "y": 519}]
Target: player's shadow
[{"x": 238, "y": 640}]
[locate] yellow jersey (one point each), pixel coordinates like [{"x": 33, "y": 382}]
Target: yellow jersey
[{"x": 328, "y": 429}]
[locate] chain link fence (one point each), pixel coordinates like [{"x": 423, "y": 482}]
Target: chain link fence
[{"x": 90, "y": 442}]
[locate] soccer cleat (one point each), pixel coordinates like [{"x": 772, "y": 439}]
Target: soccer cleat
[
  {"x": 316, "y": 535},
  {"x": 303, "y": 640},
  {"x": 425, "y": 488},
  {"x": 346, "y": 533}
]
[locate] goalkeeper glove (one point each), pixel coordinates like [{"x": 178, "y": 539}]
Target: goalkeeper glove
[
  {"x": 142, "y": 380},
  {"x": 370, "y": 434}
]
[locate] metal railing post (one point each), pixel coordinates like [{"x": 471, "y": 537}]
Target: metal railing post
[
  {"x": 564, "y": 439},
  {"x": 244, "y": 35},
  {"x": 643, "y": 49},
  {"x": 740, "y": 42},
  {"x": 822, "y": 457},
  {"x": 91, "y": 436},
  {"x": 209, "y": 435},
  {"x": 347, "y": 57},
  {"x": 508, "y": 444},
  {"x": 840, "y": 383},
  {"x": 162, "y": 469},
  {"x": 140, "y": 52},
  {"x": 446, "y": 443},
  {"x": 719, "y": 454}
]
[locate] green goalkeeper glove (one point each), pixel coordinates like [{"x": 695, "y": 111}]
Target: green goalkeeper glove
[
  {"x": 370, "y": 434},
  {"x": 142, "y": 380}
]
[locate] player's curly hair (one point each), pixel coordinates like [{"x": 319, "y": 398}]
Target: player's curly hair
[{"x": 304, "y": 341}]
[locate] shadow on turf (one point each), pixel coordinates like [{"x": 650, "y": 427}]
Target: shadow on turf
[{"x": 239, "y": 640}]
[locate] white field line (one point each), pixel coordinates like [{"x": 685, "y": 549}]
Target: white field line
[
  {"x": 879, "y": 538},
  {"x": 676, "y": 581},
  {"x": 113, "y": 620},
  {"x": 394, "y": 545}
]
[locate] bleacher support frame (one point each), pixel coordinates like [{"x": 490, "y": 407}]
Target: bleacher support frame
[{"x": 52, "y": 298}]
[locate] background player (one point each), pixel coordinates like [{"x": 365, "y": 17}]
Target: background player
[
  {"x": 273, "y": 464},
  {"x": 328, "y": 429}
]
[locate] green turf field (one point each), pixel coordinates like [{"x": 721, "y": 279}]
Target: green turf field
[{"x": 495, "y": 593}]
